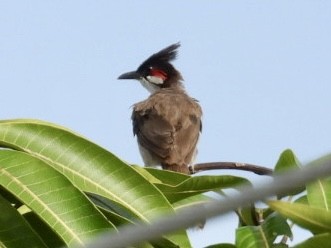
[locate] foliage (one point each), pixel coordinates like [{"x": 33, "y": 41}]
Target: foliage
[{"x": 58, "y": 188}]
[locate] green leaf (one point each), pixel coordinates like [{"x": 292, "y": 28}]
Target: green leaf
[
  {"x": 199, "y": 184},
  {"x": 10, "y": 197},
  {"x": 167, "y": 177},
  {"x": 146, "y": 174},
  {"x": 286, "y": 161},
  {"x": 90, "y": 168},
  {"x": 320, "y": 240},
  {"x": 191, "y": 201},
  {"x": 317, "y": 220},
  {"x": 110, "y": 205},
  {"x": 46, "y": 233},
  {"x": 263, "y": 235},
  {"x": 12, "y": 224},
  {"x": 177, "y": 186},
  {"x": 52, "y": 196},
  {"x": 319, "y": 194},
  {"x": 221, "y": 246}
]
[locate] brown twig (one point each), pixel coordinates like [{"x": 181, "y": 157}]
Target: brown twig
[{"x": 260, "y": 170}]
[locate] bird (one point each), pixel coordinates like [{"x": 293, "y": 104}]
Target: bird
[{"x": 168, "y": 123}]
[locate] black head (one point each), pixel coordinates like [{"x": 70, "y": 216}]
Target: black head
[{"x": 157, "y": 72}]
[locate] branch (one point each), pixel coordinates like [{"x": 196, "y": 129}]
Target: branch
[{"x": 260, "y": 170}]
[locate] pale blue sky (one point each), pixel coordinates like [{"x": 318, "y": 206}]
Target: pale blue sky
[{"x": 261, "y": 70}]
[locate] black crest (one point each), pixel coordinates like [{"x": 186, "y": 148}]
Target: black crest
[{"x": 161, "y": 58}]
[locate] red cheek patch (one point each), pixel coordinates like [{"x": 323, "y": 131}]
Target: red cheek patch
[{"x": 158, "y": 73}]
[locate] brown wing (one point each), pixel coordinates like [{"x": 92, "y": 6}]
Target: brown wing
[{"x": 167, "y": 125}]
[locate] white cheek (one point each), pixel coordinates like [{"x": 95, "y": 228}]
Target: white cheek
[
  {"x": 151, "y": 87},
  {"x": 155, "y": 80}
]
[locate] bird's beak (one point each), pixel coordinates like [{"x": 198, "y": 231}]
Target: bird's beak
[{"x": 130, "y": 75}]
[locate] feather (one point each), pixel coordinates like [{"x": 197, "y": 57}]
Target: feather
[{"x": 167, "y": 126}]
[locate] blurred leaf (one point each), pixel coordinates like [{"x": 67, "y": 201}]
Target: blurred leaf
[
  {"x": 263, "y": 235},
  {"x": 264, "y": 212},
  {"x": 247, "y": 216},
  {"x": 319, "y": 194},
  {"x": 51, "y": 195},
  {"x": 191, "y": 201},
  {"x": 280, "y": 245},
  {"x": 89, "y": 167},
  {"x": 318, "y": 241},
  {"x": 321, "y": 161},
  {"x": 12, "y": 224},
  {"x": 120, "y": 221},
  {"x": 303, "y": 200},
  {"x": 317, "y": 220},
  {"x": 288, "y": 161}
]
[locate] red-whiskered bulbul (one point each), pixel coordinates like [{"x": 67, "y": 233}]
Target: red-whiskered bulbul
[{"x": 168, "y": 122}]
